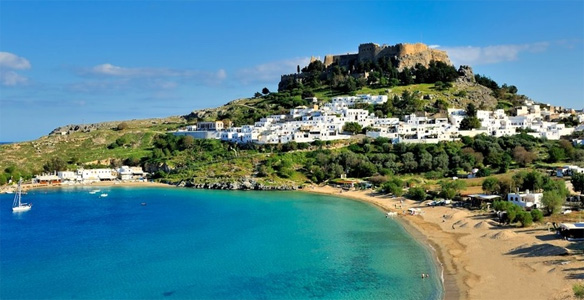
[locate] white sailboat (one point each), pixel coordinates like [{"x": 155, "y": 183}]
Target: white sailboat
[{"x": 17, "y": 205}]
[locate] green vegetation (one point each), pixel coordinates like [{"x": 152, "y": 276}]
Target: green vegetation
[
  {"x": 417, "y": 193},
  {"x": 578, "y": 290},
  {"x": 578, "y": 182},
  {"x": 514, "y": 213}
]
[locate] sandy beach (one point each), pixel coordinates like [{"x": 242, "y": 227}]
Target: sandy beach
[{"x": 480, "y": 259}]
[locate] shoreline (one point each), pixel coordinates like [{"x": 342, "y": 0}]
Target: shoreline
[
  {"x": 450, "y": 287},
  {"x": 479, "y": 259},
  {"x": 27, "y": 186}
]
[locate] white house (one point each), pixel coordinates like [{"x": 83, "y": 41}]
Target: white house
[
  {"x": 68, "y": 176},
  {"x": 526, "y": 200},
  {"x": 97, "y": 174}
]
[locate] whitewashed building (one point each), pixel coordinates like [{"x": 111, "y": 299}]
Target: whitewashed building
[{"x": 526, "y": 200}]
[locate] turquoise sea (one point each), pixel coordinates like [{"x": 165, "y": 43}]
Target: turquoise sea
[{"x": 196, "y": 244}]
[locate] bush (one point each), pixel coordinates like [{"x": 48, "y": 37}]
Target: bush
[
  {"x": 434, "y": 175},
  {"x": 578, "y": 290},
  {"x": 525, "y": 219},
  {"x": 536, "y": 215},
  {"x": 484, "y": 172},
  {"x": 417, "y": 193},
  {"x": 122, "y": 126}
]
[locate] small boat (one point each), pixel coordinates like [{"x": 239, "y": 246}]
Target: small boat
[
  {"x": 103, "y": 195},
  {"x": 17, "y": 205},
  {"x": 143, "y": 203},
  {"x": 391, "y": 214},
  {"x": 94, "y": 191}
]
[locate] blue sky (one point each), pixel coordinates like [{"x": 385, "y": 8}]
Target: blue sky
[{"x": 70, "y": 62}]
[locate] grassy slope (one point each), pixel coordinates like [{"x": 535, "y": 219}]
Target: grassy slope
[
  {"x": 91, "y": 147},
  {"x": 29, "y": 157}
]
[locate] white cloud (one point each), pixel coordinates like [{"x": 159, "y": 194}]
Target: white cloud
[
  {"x": 109, "y": 77},
  {"x": 110, "y": 70},
  {"x": 471, "y": 55},
  {"x": 270, "y": 72},
  {"x": 11, "y": 78},
  {"x": 10, "y": 62}
]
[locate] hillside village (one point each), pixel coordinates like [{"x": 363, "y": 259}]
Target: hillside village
[{"x": 308, "y": 124}]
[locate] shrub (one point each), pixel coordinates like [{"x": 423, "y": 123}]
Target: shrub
[
  {"x": 122, "y": 126},
  {"x": 525, "y": 219},
  {"x": 484, "y": 172},
  {"x": 536, "y": 215},
  {"x": 578, "y": 289},
  {"x": 417, "y": 193},
  {"x": 434, "y": 175}
]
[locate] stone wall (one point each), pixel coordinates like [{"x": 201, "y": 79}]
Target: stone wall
[{"x": 406, "y": 55}]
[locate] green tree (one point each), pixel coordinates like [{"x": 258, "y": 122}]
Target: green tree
[
  {"x": 55, "y": 164},
  {"x": 525, "y": 218},
  {"x": 352, "y": 127},
  {"x": 578, "y": 182},
  {"x": 491, "y": 185},
  {"x": 394, "y": 186},
  {"x": 425, "y": 161},
  {"x": 506, "y": 186},
  {"x": 556, "y": 154},
  {"x": 409, "y": 162},
  {"x": 265, "y": 91},
  {"x": 536, "y": 215},
  {"x": 534, "y": 181},
  {"x": 450, "y": 188},
  {"x": 552, "y": 202},
  {"x": 417, "y": 193},
  {"x": 471, "y": 110},
  {"x": 469, "y": 123}
]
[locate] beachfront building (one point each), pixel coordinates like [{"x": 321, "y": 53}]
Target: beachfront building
[
  {"x": 130, "y": 173},
  {"x": 68, "y": 176},
  {"x": 47, "y": 179},
  {"x": 89, "y": 175},
  {"x": 526, "y": 200}
]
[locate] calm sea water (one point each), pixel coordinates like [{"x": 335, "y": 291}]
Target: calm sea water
[{"x": 193, "y": 244}]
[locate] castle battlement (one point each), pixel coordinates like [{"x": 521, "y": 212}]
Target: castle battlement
[{"x": 406, "y": 55}]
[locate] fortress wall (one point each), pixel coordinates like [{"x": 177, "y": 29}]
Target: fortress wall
[
  {"x": 368, "y": 52},
  {"x": 328, "y": 60},
  {"x": 389, "y": 52},
  {"x": 407, "y": 55},
  {"x": 407, "y": 49}
]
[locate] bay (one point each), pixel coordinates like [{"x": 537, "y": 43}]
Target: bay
[{"x": 198, "y": 244}]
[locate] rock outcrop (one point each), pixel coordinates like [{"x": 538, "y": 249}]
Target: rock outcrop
[
  {"x": 466, "y": 74},
  {"x": 421, "y": 54},
  {"x": 241, "y": 184}
]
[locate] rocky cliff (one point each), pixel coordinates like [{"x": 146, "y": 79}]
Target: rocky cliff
[{"x": 411, "y": 55}]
